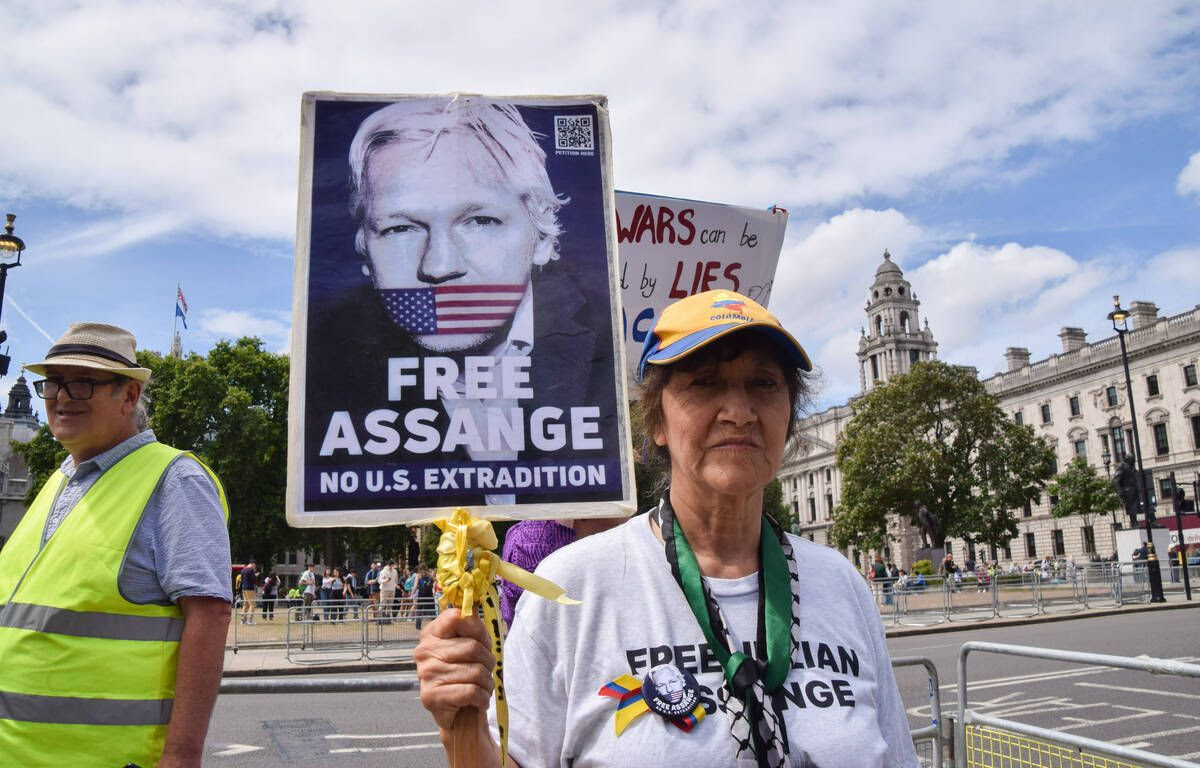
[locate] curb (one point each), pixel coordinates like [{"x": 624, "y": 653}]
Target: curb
[{"x": 318, "y": 669}]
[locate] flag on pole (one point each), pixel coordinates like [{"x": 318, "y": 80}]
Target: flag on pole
[{"x": 181, "y": 306}]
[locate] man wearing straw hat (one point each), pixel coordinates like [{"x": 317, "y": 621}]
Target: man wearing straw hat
[{"x": 115, "y": 583}]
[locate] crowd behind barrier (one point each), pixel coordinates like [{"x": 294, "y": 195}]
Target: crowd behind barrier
[
  {"x": 929, "y": 600},
  {"x": 331, "y": 631}
]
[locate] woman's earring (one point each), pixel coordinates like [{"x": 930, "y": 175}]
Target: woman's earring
[{"x": 366, "y": 270}]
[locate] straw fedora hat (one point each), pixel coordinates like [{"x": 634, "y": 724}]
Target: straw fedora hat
[{"x": 95, "y": 345}]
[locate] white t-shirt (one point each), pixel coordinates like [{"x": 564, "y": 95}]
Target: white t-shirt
[{"x": 841, "y": 704}]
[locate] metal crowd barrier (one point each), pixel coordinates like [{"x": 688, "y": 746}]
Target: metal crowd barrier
[
  {"x": 982, "y": 740},
  {"x": 927, "y": 740},
  {"x": 1011, "y": 595},
  {"x": 331, "y": 631}
]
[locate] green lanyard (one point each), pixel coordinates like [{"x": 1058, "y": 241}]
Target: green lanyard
[{"x": 774, "y": 603}]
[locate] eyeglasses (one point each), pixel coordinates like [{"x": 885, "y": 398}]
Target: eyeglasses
[{"x": 79, "y": 389}]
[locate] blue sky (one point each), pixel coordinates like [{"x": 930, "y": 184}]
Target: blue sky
[{"x": 1022, "y": 161}]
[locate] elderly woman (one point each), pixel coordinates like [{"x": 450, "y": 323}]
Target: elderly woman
[{"x": 707, "y": 636}]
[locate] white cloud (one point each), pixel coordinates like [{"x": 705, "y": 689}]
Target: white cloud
[
  {"x": 273, "y": 328},
  {"x": 197, "y": 121},
  {"x": 1189, "y": 178}
]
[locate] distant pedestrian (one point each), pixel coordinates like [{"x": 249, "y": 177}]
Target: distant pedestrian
[
  {"x": 372, "y": 578},
  {"x": 308, "y": 581},
  {"x": 425, "y": 603},
  {"x": 270, "y": 593},
  {"x": 249, "y": 587},
  {"x": 387, "y": 588}
]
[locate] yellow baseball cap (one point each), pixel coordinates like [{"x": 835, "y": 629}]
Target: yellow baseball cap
[{"x": 693, "y": 322}]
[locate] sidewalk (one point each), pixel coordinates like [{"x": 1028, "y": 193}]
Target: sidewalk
[{"x": 272, "y": 660}]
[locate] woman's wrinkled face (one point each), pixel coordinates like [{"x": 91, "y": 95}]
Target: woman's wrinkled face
[{"x": 725, "y": 422}]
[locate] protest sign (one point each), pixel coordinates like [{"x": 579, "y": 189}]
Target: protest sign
[
  {"x": 456, "y": 334},
  {"x": 671, "y": 248}
]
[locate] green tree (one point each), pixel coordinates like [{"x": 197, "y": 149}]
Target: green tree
[
  {"x": 1082, "y": 492},
  {"x": 42, "y": 455},
  {"x": 775, "y": 506},
  {"x": 935, "y": 437},
  {"x": 230, "y": 408}
]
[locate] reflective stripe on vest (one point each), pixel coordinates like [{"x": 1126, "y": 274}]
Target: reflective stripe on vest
[
  {"x": 69, "y": 710},
  {"x": 111, "y": 626}
]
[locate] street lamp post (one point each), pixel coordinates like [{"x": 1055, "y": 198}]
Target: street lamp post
[
  {"x": 11, "y": 248},
  {"x": 1106, "y": 457},
  {"x": 1120, "y": 324}
]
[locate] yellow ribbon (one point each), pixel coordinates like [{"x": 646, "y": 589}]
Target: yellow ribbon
[{"x": 467, "y": 567}]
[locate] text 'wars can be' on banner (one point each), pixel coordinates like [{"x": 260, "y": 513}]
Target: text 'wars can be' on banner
[
  {"x": 456, "y": 333},
  {"x": 671, "y": 248}
]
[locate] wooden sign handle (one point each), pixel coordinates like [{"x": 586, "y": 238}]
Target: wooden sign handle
[{"x": 464, "y": 739}]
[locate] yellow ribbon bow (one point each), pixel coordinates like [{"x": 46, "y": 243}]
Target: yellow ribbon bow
[{"x": 467, "y": 567}]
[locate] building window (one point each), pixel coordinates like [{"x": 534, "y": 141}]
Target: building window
[
  {"x": 1081, "y": 448},
  {"x": 1088, "y": 534},
  {"x": 914, "y": 356},
  {"x": 1030, "y": 545},
  {"x": 1045, "y": 413},
  {"x": 1189, "y": 375},
  {"x": 1118, "y": 444},
  {"x": 829, "y": 505},
  {"x": 1053, "y": 501},
  {"x": 1111, "y": 395},
  {"x": 874, "y": 368},
  {"x": 1152, "y": 386},
  {"x": 1196, "y": 430},
  {"x": 828, "y": 475},
  {"x": 1074, "y": 403},
  {"x": 1019, "y": 417},
  {"x": 810, "y": 478},
  {"x": 1161, "y": 446},
  {"x": 1059, "y": 547},
  {"x": 1167, "y": 487},
  {"x": 1027, "y": 510},
  {"x": 1007, "y": 550},
  {"x": 812, "y": 509},
  {"x": 1104, "y": 445}
]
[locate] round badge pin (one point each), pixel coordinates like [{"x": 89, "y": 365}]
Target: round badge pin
[{"x": 670, "y": 691}]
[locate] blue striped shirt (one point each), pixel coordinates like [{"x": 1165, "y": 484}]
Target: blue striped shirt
[{"x": 181, "y": 545}]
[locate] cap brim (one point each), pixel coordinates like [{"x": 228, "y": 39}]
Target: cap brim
[
  {"x": 694, "y": 341},
  {"x": 83, "y": 361}
]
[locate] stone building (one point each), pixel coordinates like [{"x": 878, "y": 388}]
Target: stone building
[
  {"x": 1076, "y": 399},
  {"x": 19, "y": 423}
]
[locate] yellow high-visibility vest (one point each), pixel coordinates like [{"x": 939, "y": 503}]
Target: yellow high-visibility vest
[{"x": 86, "y": 677}]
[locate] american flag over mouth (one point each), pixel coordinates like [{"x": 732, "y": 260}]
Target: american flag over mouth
[{"x": 447, "y": 309}]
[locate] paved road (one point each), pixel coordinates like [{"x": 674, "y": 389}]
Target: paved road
[{"x": 1159, "y": 714}]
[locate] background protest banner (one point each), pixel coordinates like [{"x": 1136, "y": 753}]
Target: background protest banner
[
  {"x": 456, "y": 334},
  {"x": 671, "y": 248}
]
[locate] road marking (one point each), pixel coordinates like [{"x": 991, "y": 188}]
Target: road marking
[
  {"x": 236, "y": 749},
  {"x": 1140, "y": 690},
  {"x": 1159, "y": 734},
  {"x": 378, "y": 735},
  {"x": 1080, "y": 722},
  {"x": 363, "y": 750},
  {"x": 998, "y": 682}
]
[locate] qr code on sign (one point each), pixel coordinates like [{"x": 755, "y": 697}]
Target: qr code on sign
[{"x": 574, "y": 132}]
